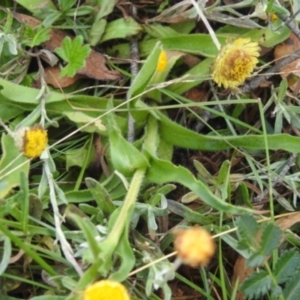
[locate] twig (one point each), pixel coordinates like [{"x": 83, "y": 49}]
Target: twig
[
  {"x": 134, "y": 68},
  {"x": 65, "y": 245}
]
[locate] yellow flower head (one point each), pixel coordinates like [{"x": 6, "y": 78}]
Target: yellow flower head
[
  {"x": 31, "y": 140},
  {"x": 162, "y": 61},
  {"x": 106, "y": 290},
  {"x": 235, "y": 62},
  {"x": 273, "y": 17},
  {"x": 194, "y": 246}
]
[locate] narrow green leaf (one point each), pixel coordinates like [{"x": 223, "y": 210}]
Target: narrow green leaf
[
  {"x": 143, "y": 77},
  {"x": 25, "y": 95},
  {"x": 106, "y": 8},
  {"x": 6, "y": 254},
  {"x": 125, "y": 252},
  {"x": 12, "y": 164},
  {"x": 24, "y": 200},
  {"x": 200, "y": 44},
  {"x": 187, "y": 214},
  {"x": 32, "y": 5},
  {"x": 200, "y": 73},
  {"x": 49, "y": 297},
  {"x": 65, "y": 5},
  {"x": 169, "y": 172},
  {"x": 27, "y": 249},
  {"x": 97, "y": 31},
  {"x": 159, "y": 31},
  {"x": 100, "y": 195},
  {"x": 121, "y": 28},
  {"x": 88, "y": 233},
  {"x": 183, "y": 137}
]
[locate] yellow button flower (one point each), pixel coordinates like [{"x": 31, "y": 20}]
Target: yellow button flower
[
  {"x": 195, "y": 246},
  {"x": 235, "y": 62},
  {"x": 32, "y": 141},
  {"x": 106, "y": 290}
]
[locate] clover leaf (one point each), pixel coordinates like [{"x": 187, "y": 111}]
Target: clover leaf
[{"x": 74, "y": 53}]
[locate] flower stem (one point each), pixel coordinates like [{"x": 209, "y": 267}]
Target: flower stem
[{"x": 126, "y": 210}]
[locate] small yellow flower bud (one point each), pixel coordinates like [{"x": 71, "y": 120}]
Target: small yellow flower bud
[
  {"x": 162, "y": 61},
  {"x": 273, "y": 17},
  {"x": 106, "y": 290},
  {"x": 194, "y": 246}
]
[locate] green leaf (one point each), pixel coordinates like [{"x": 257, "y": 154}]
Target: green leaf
[
  {"x": 11, "y": 42},
  {"x": 247, "y": 228},
  {"x": 159, "y": 31},
  {"x": 65, "y": 5},
  {"x": 12, "y": 164},
  {"x": 125, "y": 252},
  {"x": 35, "y": 207},
  {"x": 100, "y": 195},
  {"x": 25, "y": 95},
  {"x": 257, "y": 285},
  {"x": 142, "y": 79},
  {"x": 88, "y": 233},
  {"x": 24, "y": 200},
  {"x": 78, "y": 157},
  {"x": 222, "y": 180},
  {"x": 81, "y": 119},
  {"x": 6, "y": 254},
  {"x": 74, "y": 53},
  {"x": 164, "y": 171},
  {"x": 97, "y": 31},
  {"x": 33, "y": 5},
  {"x": 270, "y": 238},
  {"x": 287, "y": 265},
  {"x": 200, "y": 44},
  {"x": 160, "y": 76},
  {"x": 49, "y": 297},
  {"x": 292, "y": 288},
  {"x": 187, "y": 214},
  {"x": 8, "y": 111},
  {"x": 199, "y": 73},
  {"x": 125, "y": 157},
  {"x": 179, "y": 136},
  {"x": 106, "y": 8},
  {"x": 35, "y": 36},
  {"x": 27, "y": 249},
  {"x": 121, "y": 28},
  {"x": 255, "y": 260}
]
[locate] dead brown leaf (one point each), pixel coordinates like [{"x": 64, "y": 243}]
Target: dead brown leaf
[
  {"x": 95, "y": 63},
  {"x": 240, "y": 273},
  {"x": 292, "y": 70},
  {"x": 289, "y": 220},
  {"x": 52, "y": 77}
]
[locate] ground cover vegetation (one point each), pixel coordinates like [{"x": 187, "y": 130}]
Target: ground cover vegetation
[{"x": 149, "y": 149}]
